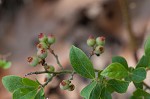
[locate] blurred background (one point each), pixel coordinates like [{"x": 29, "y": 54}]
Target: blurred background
[{"x": 124, "y": 23}]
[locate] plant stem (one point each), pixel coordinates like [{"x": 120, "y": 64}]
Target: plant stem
[
  {"x": 127, "y": 19},
  {"x": 92, "y": 53},
  {"x": 133, "y": 44},
  {"x": 56, "y": 57},
  {"x": 48, "y": 80},
  {"x": 72, "y": 74},
  {"x": 56, "y": 73},
  {"x": 146, "y": 85},
  {"x": 126, "y": 16}
]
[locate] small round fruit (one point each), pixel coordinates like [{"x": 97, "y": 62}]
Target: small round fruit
[
  {"x": 64, "y": 85},
  {"x": 71, "y": 87},
  {"x": 42, "y": 53},
  {"x": 99, "y": 50},
  {"x": 42, "y": 45},
  {"x": 51, "y": 39},
  {"x": 91, "y": 41},
  {"x": 50, "y": 68},
  {"x": 33, "y": 61},
  {"x": 100, "y": 41},
  {"x": 42, "y": 37}
]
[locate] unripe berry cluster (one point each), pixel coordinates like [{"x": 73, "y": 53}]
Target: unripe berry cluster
[
  {"x": 67, "y": 85},
  {"x": 97, "y": 44},
  {"x": 42, "y": 49}
]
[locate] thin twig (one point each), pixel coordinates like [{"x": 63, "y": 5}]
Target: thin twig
[
  {"x": 48, "y": 80},
  {"x": 146, "y": 85},
  {"x": 56, "y": 57},
  {"x": 92, "y": 53},
  {"x": 127, "y": 19},
  {"x": 57, "y": 73},
  {"x": 72, "y": 74}
]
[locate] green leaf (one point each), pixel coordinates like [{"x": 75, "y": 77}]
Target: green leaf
[
  {"x": 141, "y": 93},
  {"x": 96, "y": 92},
  {"x": 138, "y": 75},
  {"x": 81, "y": 63},
  {"x": 7, "y": 65},
  {"x": 115, "y": 70},
  {"x": 147, "y": 47},
  {"x": 138, "y": 85},
  {"x": 134, "y": 97},
  {"x": 87, "y": 90},
  {"x": 120, "y": 60},
  {"x": 12, "y": 83},
  {"x": 143, "y": 62},
  {"x": 118, "y": 85},
  {"x": 40, "y": 94},
  {"x": 24, "y": 93},
  {"x": 30, "y": 82},
  {"x": 105, "y": 94},
  {"x": 110, "y": 89},
  {"x": 4, "y": 64}
]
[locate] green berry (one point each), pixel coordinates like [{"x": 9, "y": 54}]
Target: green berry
[
  {"x": 64, "y": 85},
  {"x": 42, "y": 53},
  {"x": 50, "y": 68},
  {"x": 33, "y": 61},
  {"x": 99, "y": 50},
  {"x": 100, "y": 41},
  {"x": 42, "y": 45},
  {"x": 51, "y": 39},
  {"x": 42, "y": 37},
  {"x": 91, "y": 41},
  {"x": 71, "y": 87}
]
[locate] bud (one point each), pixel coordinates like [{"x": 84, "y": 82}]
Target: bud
[
  {"x": 71, "y": 87},
  {"x": 33, "y": 61},
  {"x": 50, "y": 68},
  {"x": 42, "y": 37},
  {"x": 42, "y": 45},
  {"x": 99, "y": 50},
  {"x": 100, "y": 41},
  {"x": 42, "y": 53},
  {"x": 65, "y": 84},
  {"x": 51, "y": 39},
  {"x": 91, "y": 41}
]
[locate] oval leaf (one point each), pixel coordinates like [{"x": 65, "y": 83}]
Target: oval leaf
[
  {"x": 120, "y": 60},
  {"x": 115, "y": 70},
  {"x": 141, "y": 93},
  {"x": 96, "y": 92},
  {"x": 81, "y": 63},
  {"x": 143, "y": 62},
  {"x": 138, "y": 85},
  {"x": 87, "y": 90},
  {"x": 30, "y": 82},
  {"x": 105, "y": 94},
  {"x": 12, "y": 83},
  {"x": 24, "y": 93},
  {"x": 40, "y": 94},
  {"x": 138, "y": 75},
  {"x": 118, "y": 85}
]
